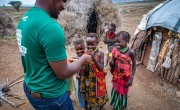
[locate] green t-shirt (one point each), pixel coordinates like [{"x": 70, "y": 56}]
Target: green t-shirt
[{"x": 41, "y": 39}]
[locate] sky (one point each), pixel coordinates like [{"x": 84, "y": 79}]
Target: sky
[
  {"x": 31, "y": 2},
  {"x": 24, "y": 2}
]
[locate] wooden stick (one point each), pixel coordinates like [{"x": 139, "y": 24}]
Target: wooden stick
[
  {"x": 21, "y": 104},
  {"x": 9, "y": 102},
  {"x": 15, "y": 96},
  {"x": 15, "y": 80},
  {"x": 12, "y": 84}
]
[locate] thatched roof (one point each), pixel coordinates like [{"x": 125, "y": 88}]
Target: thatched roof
[
  {"x": 75, "y": 18},
  {"x": 6, "y": 25}
]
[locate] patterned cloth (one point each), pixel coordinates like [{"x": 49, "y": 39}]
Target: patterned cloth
[
  {"x": 93, "y": 85},
  {"x": 81, "y": 101},
  {"x": 118, "y": 102},
  {"x": 110, "y": 36}
]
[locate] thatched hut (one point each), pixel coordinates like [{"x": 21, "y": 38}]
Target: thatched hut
[
  {"x": 83, "y": 16},
  {"x": 6, "y": 25},
  {"x": 157, "y": 41}
]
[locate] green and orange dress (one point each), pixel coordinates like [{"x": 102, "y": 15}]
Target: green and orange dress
[
  {"x": 93, "y": 84},
  {"x": 121, "y": 71}
]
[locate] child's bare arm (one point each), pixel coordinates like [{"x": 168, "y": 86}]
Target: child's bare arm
[
  {"x": 100, "y": 65},
  {"x": 133, "y": 57}
]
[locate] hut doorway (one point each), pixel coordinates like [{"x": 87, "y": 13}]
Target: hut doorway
[{"x": 92, "y": 23}]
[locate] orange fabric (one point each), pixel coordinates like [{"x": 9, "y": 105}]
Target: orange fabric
[
  {"x": 121, "y": 71},
  {"x": 122, "y": 62}
]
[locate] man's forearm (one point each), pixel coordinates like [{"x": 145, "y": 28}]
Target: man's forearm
[{"x": 73, "y": 68}]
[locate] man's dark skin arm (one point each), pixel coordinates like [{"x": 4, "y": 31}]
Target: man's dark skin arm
[
  {"x": 63, "y": 70},
  {"x": 132, "y": 55},
  {"x": 100, "y": 65}
]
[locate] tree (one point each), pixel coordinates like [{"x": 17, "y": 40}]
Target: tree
[{"x": 16, "y": 4}]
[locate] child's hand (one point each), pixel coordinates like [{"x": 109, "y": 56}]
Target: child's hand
[
  {"x": 129, "y": 83},
  {"x": 92, "y": 54},
  {"x": 77, "y": 76},
  {"x": 110, "y": 60}
]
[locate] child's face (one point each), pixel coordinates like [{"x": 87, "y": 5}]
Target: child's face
[
  {"x": 111, "y": 30},
  {"x": 91, "y": 43},
  {"x": 120, "y": 42},
  {"x": 79, "y": 49}
]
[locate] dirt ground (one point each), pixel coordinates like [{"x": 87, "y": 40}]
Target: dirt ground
[{"x": 149, "y": 91}]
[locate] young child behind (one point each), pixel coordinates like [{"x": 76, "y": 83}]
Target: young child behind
[
  {"x": 80, "y": 49},
  {"x": 95, "y": 93},
  {"x": 123, "y": 66},
  {"x": 109, "y": 39}
]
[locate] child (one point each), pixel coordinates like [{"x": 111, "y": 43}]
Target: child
[
  {"x": 109, "y": 39},
  {"x": 71, "y": 85},
  {"x": 95, "y": 83},
  {"x": 70, "y": 81},
  {"x": 123, "y": 66},
  {"x": 80, "y": 49}
]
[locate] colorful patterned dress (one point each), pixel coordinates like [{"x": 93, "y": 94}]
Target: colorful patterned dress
[
  {"x": 81, "y": 101},
  {"x": 121, "y": 72},
  {"x": 93, "y": 85}
]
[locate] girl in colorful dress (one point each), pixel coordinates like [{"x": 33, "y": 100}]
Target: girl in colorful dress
[
  {"x": 94, "y": 86},
  {"x": 122, "y": 66}
]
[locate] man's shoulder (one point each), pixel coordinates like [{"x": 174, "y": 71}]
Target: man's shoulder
[
  {"x": 53, "y": 27},
  {"x": 38, "y": 16}
]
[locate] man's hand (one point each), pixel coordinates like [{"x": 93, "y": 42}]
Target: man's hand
[
  {"x": 86, "y": 58},
  {"x": 64, "y": 70}
]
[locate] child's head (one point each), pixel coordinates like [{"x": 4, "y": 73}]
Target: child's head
[
  {"x": 92, "y": 41},
  {"x": 122, "y": 39},
  {"x": 111, "y": 28},
  {"x": 79, "y": 46}
]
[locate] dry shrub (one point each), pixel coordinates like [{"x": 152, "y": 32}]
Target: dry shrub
[{"x": 6, "y": 25}]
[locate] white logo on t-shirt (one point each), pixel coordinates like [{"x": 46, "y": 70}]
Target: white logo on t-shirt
[
  {"x": 24, "y": 18},
  {"x": 22, "y": 49}
]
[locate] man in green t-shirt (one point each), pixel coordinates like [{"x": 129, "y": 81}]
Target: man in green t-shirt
[{"x": 41, "y": 42}]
